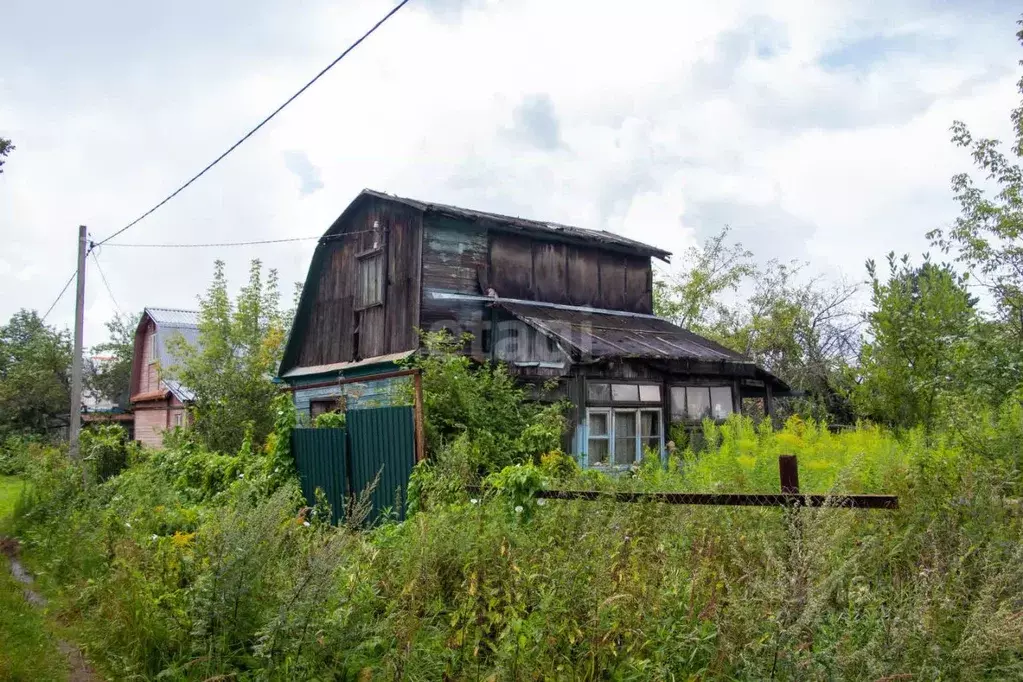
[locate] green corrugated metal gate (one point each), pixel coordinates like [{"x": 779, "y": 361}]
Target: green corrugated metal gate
[
  {"x": 345, "y": 462},
  {"x": 321, "y": 463}
]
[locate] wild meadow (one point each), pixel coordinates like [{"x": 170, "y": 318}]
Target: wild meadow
[{"x": 187, "y": 565}]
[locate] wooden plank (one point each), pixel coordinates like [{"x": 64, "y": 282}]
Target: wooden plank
[
  {"x": 583, "y": 276},
  {"x": 612, "y": 282},
  {"x": 451, "y": 255},
  {"x": 420, "y": 435},
  {"x": 638, "y": 295},
  {"x": 511, "y": 266},
  {"x": 550, "y": 272}
]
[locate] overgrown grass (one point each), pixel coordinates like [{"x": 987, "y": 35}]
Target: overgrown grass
[
  {"x": 28, "y": 652},
  {"x": 11, "y": 488},
  {"x": 163, "y": 574}
]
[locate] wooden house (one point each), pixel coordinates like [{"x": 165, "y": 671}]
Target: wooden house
[
  {"x": 551, "y": 301},
  {"x": 159, "y": 402}
]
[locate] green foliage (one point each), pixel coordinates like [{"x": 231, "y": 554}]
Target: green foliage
[
  {"x": 518, "y": 484},
  {"x": 35, "y": 376},
  {"x": 239, "y": 586},
  {"x": 104, "y": 449},
  {"x": 692, "y": 298},
  {"x": 5, "y": 148},
  {"x": 918, "y": 329},
  {"x": 479, "y": 411},
  {"x": 802, "y": 330},
  {"x": 111, "y": 379},
  {"x": 230, "y": 371},
  {"x": 330, "y": 420}
]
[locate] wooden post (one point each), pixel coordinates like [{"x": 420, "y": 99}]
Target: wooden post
[
  {"x": 788, "y": 468},
  {"x": 420, "y": 436}
]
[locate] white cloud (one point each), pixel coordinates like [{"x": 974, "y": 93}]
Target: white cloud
[{"x": 671, "y": 119}]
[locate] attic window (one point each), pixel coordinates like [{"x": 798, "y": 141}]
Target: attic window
[{"x": 371, "y": 279}]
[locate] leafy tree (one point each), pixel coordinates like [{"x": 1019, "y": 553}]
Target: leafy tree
[
  {"x": 918, "y": 329},
  {"x": 35, "y": 378},
  {"x": 987, "y": 238},
  {"x": 691, "y": 298},
  {"x": 803, "y": 331},
  {"x": 230, "y": 371},
  {"x": 5, "y": 148},
  {"x": 111, "y": 379}
]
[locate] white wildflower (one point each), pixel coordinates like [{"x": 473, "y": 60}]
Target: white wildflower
[
  {"x": 474, "y": 501},
  {"x": 305, "y": 523},
  {"x": 128, "y": 525},
  {"x": 541, "y": 502},
  {"x": 518, "y": 509},
  {"x": 241, "y": 475},
  {"x": 154, "y": 537}
]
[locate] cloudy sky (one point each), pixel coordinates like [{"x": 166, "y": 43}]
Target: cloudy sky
[{"x": 816, "y": 130}]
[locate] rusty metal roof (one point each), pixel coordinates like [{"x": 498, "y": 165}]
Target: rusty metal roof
[
  {"x": 608, "y": 335},
  {"x": 513, "y": 223}
]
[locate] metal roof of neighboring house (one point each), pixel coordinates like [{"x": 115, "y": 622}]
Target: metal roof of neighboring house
[
  {"x": 539, "y": 227},
  {"x": 174, "y": 317},
  {"x": 182, "y": 393},
  {"x": 607, "y": 334}
]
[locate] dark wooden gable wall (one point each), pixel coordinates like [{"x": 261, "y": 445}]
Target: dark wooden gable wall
[
  {"x": 334, "y": 328},
  {"x": 541, "y": 270}
]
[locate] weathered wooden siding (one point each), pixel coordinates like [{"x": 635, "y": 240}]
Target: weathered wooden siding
[
  {"x": 358, "y": 395},
  {"x": 454, "y": 262},
  {"x": 541, "y": 270},
  {"x": 333, "y": 323}
]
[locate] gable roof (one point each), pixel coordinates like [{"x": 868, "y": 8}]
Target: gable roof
[
  {"x": 483, "y": 219},
  {"x": 170, "y": 323},
  {"x": 174, "y": 317}
]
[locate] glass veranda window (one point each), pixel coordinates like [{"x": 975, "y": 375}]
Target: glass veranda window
[
  {"x": 620, "y": 438},
  {"x": 693, "y": 403}
]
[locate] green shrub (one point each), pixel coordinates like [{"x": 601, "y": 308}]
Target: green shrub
[
  {"x": 330, "y": 420},
  {"x": 105, "y": 450}
]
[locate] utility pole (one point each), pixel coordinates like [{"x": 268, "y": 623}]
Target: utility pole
[{"x": 76, "y": 358}]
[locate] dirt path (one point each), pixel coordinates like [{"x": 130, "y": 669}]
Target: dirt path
[{"x": 79, "y": 669}]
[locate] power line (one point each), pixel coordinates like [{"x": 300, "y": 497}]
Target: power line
[
  {"x": 202, "y": 246},
  {"x": 105, "y": 282},
  {"x": 261, "y": 123},
  {"x": 61, "y": 294}
]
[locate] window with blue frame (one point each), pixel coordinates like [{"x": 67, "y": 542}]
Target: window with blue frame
[{"x": 624, "y": 421}]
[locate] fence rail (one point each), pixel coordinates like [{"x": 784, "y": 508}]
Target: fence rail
[{"x": 788, "y": 470}]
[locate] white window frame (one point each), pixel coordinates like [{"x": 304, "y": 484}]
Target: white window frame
[
  {"x": 179, "y": 419},
  {"x": 709, "y": 388},
  {"x": 639, "y": 438}
]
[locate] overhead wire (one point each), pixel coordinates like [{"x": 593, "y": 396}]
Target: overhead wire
[
  {"x": 260, "y": 125},
  {"x": 61, "y": 294},
  {"x": 220, "y": 244},
  {"x": 106, "y": 283}
]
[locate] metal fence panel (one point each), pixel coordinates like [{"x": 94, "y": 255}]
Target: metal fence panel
[
  {"x": 383, "y": 443},
  {"x": 321, "y": 463}
]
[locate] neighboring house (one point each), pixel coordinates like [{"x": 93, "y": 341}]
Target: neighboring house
[
  {"x": 97, "y": 409},
  {"x": 159, "y": 402},
  {"x": 550, "y": 301}
]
